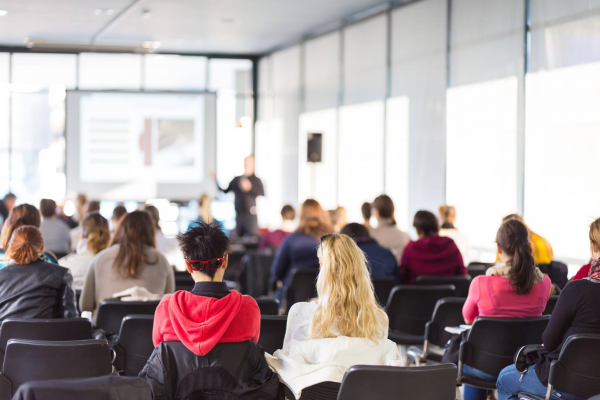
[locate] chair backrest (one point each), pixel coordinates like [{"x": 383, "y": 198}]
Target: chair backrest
[
  {"x": 321, "y": 391},
  {"x": 492, "y": 342},
  {"x": 268, "y": 306},
  {"x": 478, "y": 268},
  {"x": 134, "y": 344},
  {"x": 101, "y": 388},
  {"x": 233, "y": 265},
  {"x": 254, "y": 274},
  {"x": 411, "y": 307},
  {"x": 577, "y": 370},
  {"x": 383, "y": 287},
  {"x": 447, "y": 312},
  {"x": 550, "y": 305},
  {"x": 183, "y": 281},
  {"x": 111, "y": 312},
  {"x": 375, "y": 382},
  {"x": 272, "y": 332},
  {"x": 37, "y": 360},
  {"x": 460, "y": 282},
  {"x": 302, "y": 286}
]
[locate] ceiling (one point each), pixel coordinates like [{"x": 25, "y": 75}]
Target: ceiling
[{"x": 189, "y": 26}]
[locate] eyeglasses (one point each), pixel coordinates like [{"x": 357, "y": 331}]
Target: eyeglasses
[{"x": 214, "y": 263}]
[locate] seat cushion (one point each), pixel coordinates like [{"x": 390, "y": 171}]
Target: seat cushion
[
  {"x": 528, "y": 396},
  {"x": 405, "y": 338},
  {"x": 478, "y": 382}
]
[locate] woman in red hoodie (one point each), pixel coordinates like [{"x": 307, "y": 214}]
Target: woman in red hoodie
[
  {"x": 210, "y": 313},
  {"x": 432, "y": 254}
]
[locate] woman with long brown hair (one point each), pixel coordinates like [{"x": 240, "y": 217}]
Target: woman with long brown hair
[
  {"x": 299, "y": 250},
  {"x": 132, "y": 260},
  {"x": 31, "y": 287},
  {"x": 387, "y": 232}
]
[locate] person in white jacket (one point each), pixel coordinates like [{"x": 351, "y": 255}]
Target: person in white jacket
[{"x": 344, "y": 327}]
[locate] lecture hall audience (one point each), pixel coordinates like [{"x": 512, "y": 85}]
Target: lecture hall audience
[
  {"x": 387, "y": 233},
  {"x": 344, "y": 327},
  {"x": 131, "y": 260},
  {"x": 576, "y": 312},
  {"x": 432, "y": 254},
  {"x": 55, "y": 231},
  {"x": 448, "y": 217},
  {"x": 272, "y": 240},
  {"x": 31, "y": 287},
  {"x": 381, "y": 261},
  {"x": 513, "y": 288}
]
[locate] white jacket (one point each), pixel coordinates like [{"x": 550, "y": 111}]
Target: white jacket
[
  {"x": 78, "y": 263},
  {"x": 305, "y": 362}
]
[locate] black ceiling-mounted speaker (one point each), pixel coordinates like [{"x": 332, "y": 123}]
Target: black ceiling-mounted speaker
[{"x": 314, "y": 147}]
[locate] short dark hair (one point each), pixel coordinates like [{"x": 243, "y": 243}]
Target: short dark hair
[
  {"x": 10, "y": 196},
  {"x": 426, "y": 223},
  {"x": 47, "y": 208},
  {"x": 204, "y": 242},
  {"x": 365, "y": 209},
  {"x": 118, "y": 212},
  {"x": 355, "y": 231},
  {"x": 93, "y": 206},
  {"x": 385, "y": 207},
  {"x": 288, "y": 212}
]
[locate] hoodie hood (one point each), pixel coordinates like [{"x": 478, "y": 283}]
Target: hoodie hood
[
  {"x": 200, "y": 322},
  {"x": 435, "y": 245}
]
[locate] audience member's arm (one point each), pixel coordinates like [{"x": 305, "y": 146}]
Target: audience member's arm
[
  {"x": 470, "y": 309},
  {"x": 68, "y": 297},
  {"x": 281, "y": 263},
  {"x": 561, "y": 318},
  {"x": 87, "y": 302}
]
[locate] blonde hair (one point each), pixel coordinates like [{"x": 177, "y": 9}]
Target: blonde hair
[
  {"x": 204, "y": 204},
  {"x": 595, "y": 234},
  {"x": 346, "y": 296}
]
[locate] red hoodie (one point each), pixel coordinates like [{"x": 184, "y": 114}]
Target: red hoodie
[
  {"x": 432, "y": 256},
  {"x": 201, "y": 322}
]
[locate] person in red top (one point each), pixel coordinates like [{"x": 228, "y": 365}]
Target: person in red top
[
  {"x": 583, "y": 272},
  {"x": 432, "y": 254},
  {"x": 210, "y": 313}
]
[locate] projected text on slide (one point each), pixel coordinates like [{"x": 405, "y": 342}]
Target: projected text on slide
[{"x": 135, "y": 137}]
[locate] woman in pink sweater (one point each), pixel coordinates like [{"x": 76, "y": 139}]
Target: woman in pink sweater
[{"x": 513, "y": 288}]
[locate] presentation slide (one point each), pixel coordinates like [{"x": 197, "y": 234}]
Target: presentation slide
[{"x": 140, "y": 145}]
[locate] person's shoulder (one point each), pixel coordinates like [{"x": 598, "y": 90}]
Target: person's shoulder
[
  {"x": 109, "y": 252},
  {"x": 249, "y": 303},
  {"x": 303, "y": 308}
]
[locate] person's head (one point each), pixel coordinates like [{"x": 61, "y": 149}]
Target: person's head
[
  {"x": 515, "y": 250},
  {"x": 135, "y": 232},
  {"x": 314, "y": 221},
  {"x": 365, "y": 210},
  {"x": 118, "y": 213},
  {"x": 26, "y": 245},
  {"x": 288, "y": 213},
  {"x": 92, "y": 206},
  {"x": 95, "y": 230},
  {"x": 249, "y": 166},
  {"x": 80, "y": 203},
  {"x": 447, "y": 214},
  {"x": 345, "y": 292},
  {"x": 206, "y": 242},
  {"x": 204, "y": 208},
  {"x": 48, "y": 208},
  {"x": 355, "y": 231},
  {"x": 21, "y": 215},
  {"x": 383, "y": 208},
  {"x": 595, "y": 239},
  {"x": 341, "y": 218},
  {"x": 425, "y": 223},
  {"x": 154, "y": 214},
  {"x": 9, "y": 201}
]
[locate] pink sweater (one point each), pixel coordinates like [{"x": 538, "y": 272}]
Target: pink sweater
[{"x": 493, "y": 296}]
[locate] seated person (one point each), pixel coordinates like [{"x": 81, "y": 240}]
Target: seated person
[
  {"x": 387, "y": 232},
  {"x": 119, "y": 212},
  {"x": 583, "y": 272},
  {"x": 448, "y": 217},
  {"x": 30, "y": 287},
  {"x": 576, "y": 312},
  {"x": 344, "y": 327},
  {"x": 208, "y": 315},
  {"x": 381, "y": 261},
  {"x": 273, "y": 240},
  {"x": 514, "y": 288},
  {"x": 432, "y": 254},
  {"x": 56, "y": 233},
  {"x": 84, "y": 209},
  {"x": 365, "y": 210},
  {"x": 542, "y": 250}
]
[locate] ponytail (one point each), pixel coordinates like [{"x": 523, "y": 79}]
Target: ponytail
[
  {"x": 513, "y": 238},
  {"x": 26, "y": 245}
]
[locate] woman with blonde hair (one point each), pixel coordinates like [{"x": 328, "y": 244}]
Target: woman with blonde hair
[
  {"x": 344, "y": 327},
  {"x": 94, "y": 238},
  {"x": 299, "y": 249}
]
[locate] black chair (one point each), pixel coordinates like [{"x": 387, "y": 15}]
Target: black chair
[
  {"x": 268, "y": 306},
  {"x": 447, "y": 312},
  {"x": 302, "y": 286},
  {"x": 272, "y": 332},
  {"x": 183, "y": 281},
  {"x": 102, "y": 388},
  {"x": 461, "y": 283},
  {"x": 58, "y": 329},
  {"x": 550, "y": 305},
  {"x": 37, "y": 360},
  {"x": 77, "y": 298},
  {"x": 376, "y": 382},
  {"x": 577, "y": 370},
  {"x": 254, "y": 274},
  {"x": 320, "y": 391},
  {"x": 134, "y": 344},
  {"x": 410, "y": 308},
  {"x": 477, "y": 268},
  {"x": 383, "y": 287},
  {"x": 492, "y": 343},
  {"x": 233, "y": 265},
  {"x": 111, "y": 312}
]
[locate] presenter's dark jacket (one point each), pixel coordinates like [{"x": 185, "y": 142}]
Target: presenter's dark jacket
[
  {"x": 244, "y": 201},
  {"x": 36, "y": 290}
]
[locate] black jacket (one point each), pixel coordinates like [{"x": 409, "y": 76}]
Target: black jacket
[
  {"x": 244, "y": 201},
  {"x": 229, "y": 371},
  {"x": 36, "y": 290}
]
